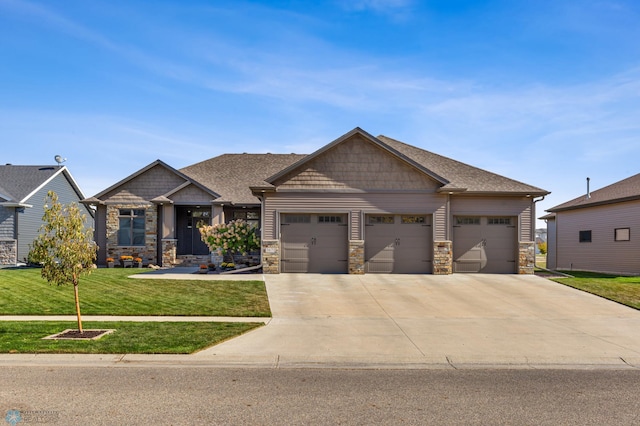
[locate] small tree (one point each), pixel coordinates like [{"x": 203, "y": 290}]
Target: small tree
[
  {"x": 64, "y": 247},
  {"x": 542, "y": 247},
  {"x": 237, "y": 236}
]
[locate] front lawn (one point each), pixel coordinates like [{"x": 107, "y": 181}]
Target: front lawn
[
  {"x": 108, "y": 291},
  {"x": 129, "y": 337},
  {"x": 624, "y": 290}
]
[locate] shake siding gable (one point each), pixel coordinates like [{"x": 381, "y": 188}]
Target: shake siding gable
[
  {"x": 603, "y": 253},
  {"x": 191, "y": 195},
  {"x": 356, "y": 164},
  {"x": 154, "y": 182}
]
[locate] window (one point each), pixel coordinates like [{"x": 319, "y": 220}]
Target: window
[
  {"x": 413, "y": 219},
  {"x": 296, "y": 218},
  {"x": 499, "y": 221},
  {"x": 467, "y": 221},
  {"x": 131, "y": 229},
  {"x": 380, "y": 220},
  {"x": 622, "y": 234},
  {"x": 585, "y": 236},
  {"x": 329, "y": 219}
]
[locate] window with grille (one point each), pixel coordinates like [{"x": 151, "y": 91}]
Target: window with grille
[
  {"x": 329, "y": 219},
  {"x": 499, "y": 221},
  {"x": 380, "y": 220},
  {"x": 131, "y": 227},
  {"x": 467, "y": 221},
  {"x": 413, "y": 219},
  {"x": 296, "y": 218}
]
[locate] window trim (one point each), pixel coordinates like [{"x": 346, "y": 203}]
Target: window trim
[
  {"x": 617, "y": 237},
  {"x": 585, "y": 236}
]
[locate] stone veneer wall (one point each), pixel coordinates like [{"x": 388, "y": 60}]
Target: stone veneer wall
[
  {"x": 526, "y": 257},
  {"x": 169, "y": 251},
  {"x": 356, "y": 257},
  {"x": 8, "y": 252},
  {"x": 271, "y": 256},
  {"x": 442, "y": 257},
  {"x": 148, "y": 252}
]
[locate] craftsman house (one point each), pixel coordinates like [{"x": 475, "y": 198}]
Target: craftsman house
[
  {"x": 361, "y": 204},
  {"x": 598, "y": 231},
  {"x": 22, "y": 197}
]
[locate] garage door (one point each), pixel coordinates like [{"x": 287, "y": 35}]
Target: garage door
[
  {"x": 484, "y": 244},
  {"x": 314, "y": 243},
  {"x": 400, "y": 244}
]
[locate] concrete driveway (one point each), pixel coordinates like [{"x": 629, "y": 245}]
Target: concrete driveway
[{"x": 425, "y": 320}]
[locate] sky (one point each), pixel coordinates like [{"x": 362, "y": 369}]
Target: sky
[{"x": 545, "y": 92}]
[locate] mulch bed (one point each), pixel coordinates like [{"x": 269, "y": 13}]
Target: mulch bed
[{"x": 75, "y": 334}]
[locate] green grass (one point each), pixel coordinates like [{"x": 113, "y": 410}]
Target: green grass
[
  {"x": 129, "y": 337},
  {"x": 624, "y": 290},
  {"x": 108, "y": 291}
]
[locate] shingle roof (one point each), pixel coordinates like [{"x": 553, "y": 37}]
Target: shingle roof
[
  {"x": 19, "y": 182},
  {"x": 232, "y": 175},
  {"x": 461, "y": 176},
  {"x": 625, "y": 190}
]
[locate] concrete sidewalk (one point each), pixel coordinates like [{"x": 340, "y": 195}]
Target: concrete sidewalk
[{"x": 414, "y": 321}]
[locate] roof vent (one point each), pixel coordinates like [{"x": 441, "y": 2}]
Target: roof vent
[{"x": 588, "y": 191}]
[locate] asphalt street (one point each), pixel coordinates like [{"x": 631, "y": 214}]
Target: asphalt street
[{"x": 226, "y": 396}]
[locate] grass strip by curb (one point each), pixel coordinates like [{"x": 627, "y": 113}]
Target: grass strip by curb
[{"x": 129, "y": 337}]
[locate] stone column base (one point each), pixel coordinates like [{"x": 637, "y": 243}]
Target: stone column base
[
  {"x": 356, "y": 257},
  {"x": 169, "y": 252},
  {"x": 526, "y": 257},
  {"x": 442, "y": 257},
  {"x": 271, "y": 256},
  {"x": 8, "y": 252}
]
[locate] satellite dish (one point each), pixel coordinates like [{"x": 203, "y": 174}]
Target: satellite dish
[{"x": 59, "y": 159}]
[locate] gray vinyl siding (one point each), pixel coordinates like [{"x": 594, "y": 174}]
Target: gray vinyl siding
[
  {"x": 521, "y": 207},
  {"x": 356, "y": 204},
  {"x": 7, "y": 223},
  {"x": 30, "y": 220},
  {"x": 603, "y": 253},
  {"x": 552, "y": 242}
]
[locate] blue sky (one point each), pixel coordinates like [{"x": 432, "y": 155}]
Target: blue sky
[{"x": 546, "y": 92}]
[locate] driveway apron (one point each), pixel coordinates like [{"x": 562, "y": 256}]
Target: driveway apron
[{"x": 459, "y": 320}]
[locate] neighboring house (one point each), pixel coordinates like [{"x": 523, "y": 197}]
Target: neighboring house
[
  {"x": 22, "y": 197},
  {"x": 360, "y": 204},
  {"x": 599, "y": 231}
]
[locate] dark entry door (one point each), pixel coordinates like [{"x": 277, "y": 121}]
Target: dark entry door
[{"x": 187, "y": 219}]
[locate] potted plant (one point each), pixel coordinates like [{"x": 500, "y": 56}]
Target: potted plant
[
  {"x": 211, "y": 266},
  {"x": 126, "y": 261},
  {"x": 110, "y": 262},
  {"x": 138, "y": 262},
  {"x": 203, "y": 269},
  {"x": 227, "y": 266}
]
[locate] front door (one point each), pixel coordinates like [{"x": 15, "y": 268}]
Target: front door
[{"x": 187, "y": 232}]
